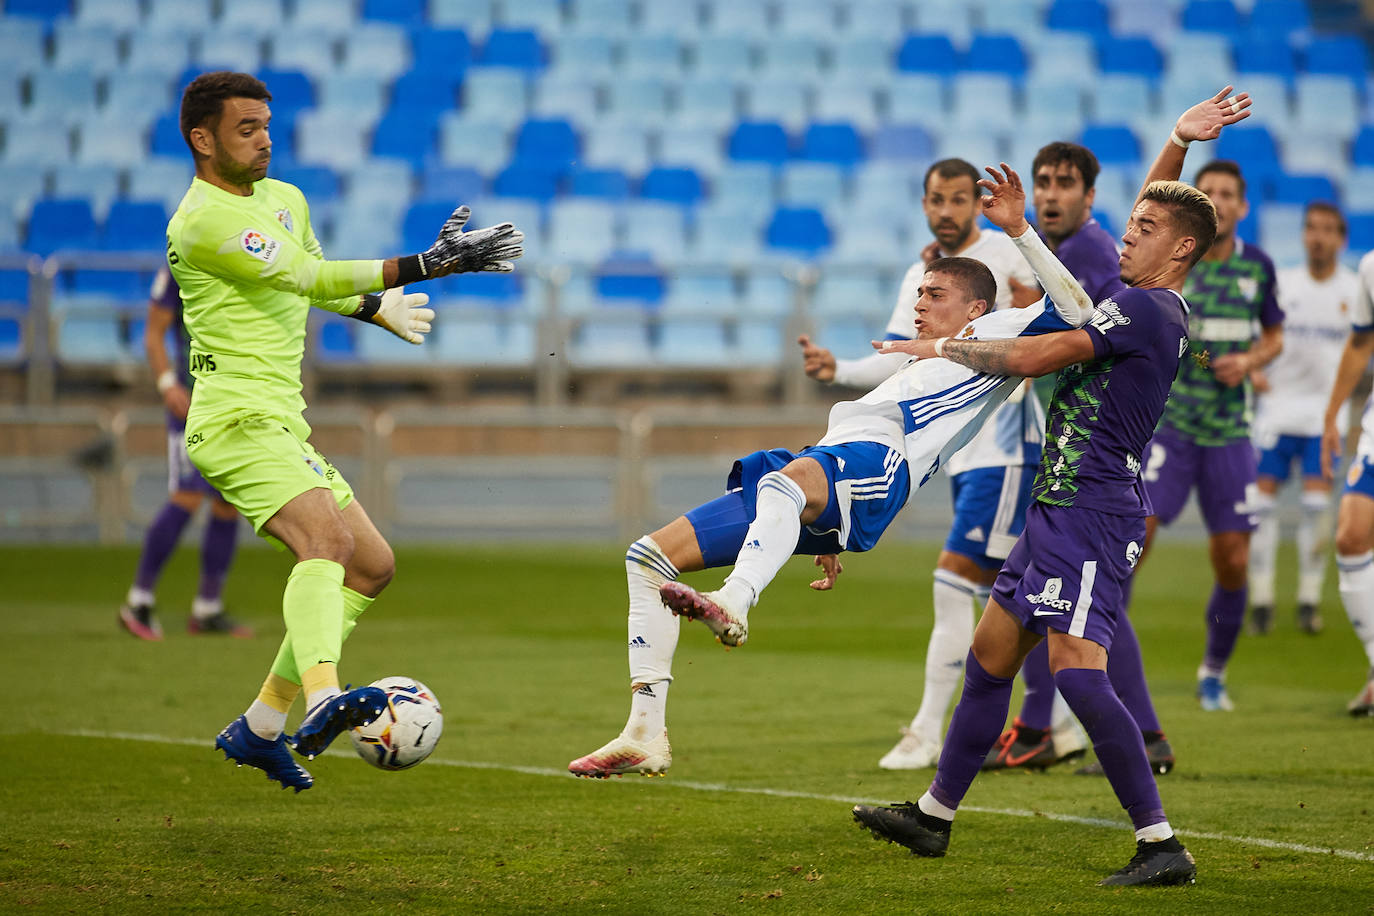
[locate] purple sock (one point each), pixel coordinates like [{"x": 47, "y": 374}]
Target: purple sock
[
  {"x": 216, "y": 553},
  {"x": 1225, "y": 613},
  {"x": 1126, "y": 668},
  {"x": 1119, "y": 746},
  {"x": 1038, "y": 703},
  {"x": 159, "y": 543},
  {"x": 977, "y": 721}
]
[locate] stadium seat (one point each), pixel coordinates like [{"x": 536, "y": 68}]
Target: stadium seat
[
  {"x": 682, "y": 19},
  {"x": 995, "y": 53},
  {"x": 495, "y": 94},
  {"x": 690, "y": 147},
  {"x": 1342, "y": 55},
  {"x": 334, "y": 340},
  {"x": 97, "y": 184},
  {"x": 657, "y": 229},
  {"x": 789, "y": 57},
  {"x": 163, "y": 178},
  {"x": 408, "y": 13},
  {"x": 865, "y": 245},
  {"x": 758, "y": 141},
  {"x": 440, "y": 53},
  {"x": 695, "y": 342},
  {"x": 928, "y": 53},
  {"x": 407, "y": 133},
  {"x": 334, "y": 139},
  {"x": 60, "y": 223},
  {"x": 326, "y": 17},
  {"x": 379, "y": 48},
  {"x": 1326, "y": 104},
  {"x": 837, "y": 143},
  {"x": 798, "y": 230},
  {"x": 121, "y": 285},
  {"x": 114, "y": 14},
  {"x": 473, "y": 15},
  {"x": 641, "y": 101},
  {"x": 726, "y": 236},
  {"x": 674, "y": 185},
  {"x": 12, "y": 344},
  {"x": 451, "y": 183},
  {"x": 1279, "y": 17},
  {"x": 1145, "y": 19},
  {"x": 704, "y": 292},
  {"x": 1361, "y": 231},
  {"x": 1211, "y": 16},
  {"x": 1078, "y": 16},
  {"x": 1362, "y": 149},
  {"x": 1299, "y": 189},
  {"x": 708, "y": 103},
  {"x": 841, "y": 292},
  {"x": 813, "y": 19},
  {"x": 550, "y": 143},
  {"x": 1133, "y": 54},
  {"x": 516, "y": 48},
  {"x": 1114, "y": 144},
  {"x": 382, "y": 348},
  {"x": 291, "y": 91},
  {"x": 14, "y": 286},
  {"x": 881, "y": 19},
  {"x": 738, "y": 17},
  {"x": 1272, "y": 55},
  {"x": 981, "y": 101},
  {"x": 89, "y": 338},
  {"x": 606, "y": 184},
  {"x": 598, "y": 19},
  {"x": 573, "y": 98},
  {"x": 182, "y": 14},
  {"x": 1358, "y": 195},
  {"x": 112, "y": 140},
  {"x": 580, "y": 56},
  {"x": 863, "y": 57},
  {"x": 473, "y": 143},
  {"x": 1253, "y": 147},
  {"x": 619, "y": 146},
  {"x": 811, "y": 184},
  {"x": 135, "y": 225},
  {"x": 257, "y": 16},
  {"x": 917, "y": 99},
  {"x": 538, "y": 182},
  {"x": 608, "y": 341},
  {"x": 782, "y": 101},
  {"x": 474, "y": 339},
  {"x": 630, "y": 278},
  {"x": 847, "y": 98},
  {"x": 1118, "y": 97},
  {"x": 79, "y": 46},
  {"x": 62, "y": 95},
  {"x": 581, "y": 230}
]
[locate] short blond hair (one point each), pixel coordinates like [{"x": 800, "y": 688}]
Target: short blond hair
[{"x": 1193, "y": 213}]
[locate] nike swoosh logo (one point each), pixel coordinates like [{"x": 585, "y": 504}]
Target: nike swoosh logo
[{"x": 1039, "y": 613}]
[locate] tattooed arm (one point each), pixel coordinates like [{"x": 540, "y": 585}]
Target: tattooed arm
[{"x": 1025, "y": 356}]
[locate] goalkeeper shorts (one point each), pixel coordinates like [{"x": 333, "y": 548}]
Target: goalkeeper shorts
[{"x": 259, "y": 463}]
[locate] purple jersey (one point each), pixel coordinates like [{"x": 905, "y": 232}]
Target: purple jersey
[
  {"x": 1103, "y": 412},
  {"x": 1091, "y": 256},
  {"x": 166, "y": 294}
]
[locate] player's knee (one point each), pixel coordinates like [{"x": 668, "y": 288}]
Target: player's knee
[
  {"x": 1353, "y": 540},
  {"x": 331, "y": 542}
]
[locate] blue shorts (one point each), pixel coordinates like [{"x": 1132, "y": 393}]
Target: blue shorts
[
  {"x": 1277, "y": 462},
  {"x": 1360, "y": 478},
  {"x": 989, "y": 512},
  {"x": 869, "y": 484},
  {"x": 1067, "y": 571}
]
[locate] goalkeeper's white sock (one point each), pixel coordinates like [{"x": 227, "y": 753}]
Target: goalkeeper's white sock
[
  {"x": 653, "y": 632},
  {"x": 1313, "y": 526},
  {"x": 264, "y": 721},
  {"x": 950, "y": 639},
  {"x": 769, "y": 542},
  {"x": 1264, "y": 545},
  {"x": 1357, "y": 594}
]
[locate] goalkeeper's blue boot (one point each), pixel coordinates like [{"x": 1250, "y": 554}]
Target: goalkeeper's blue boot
[
  {"x": 330, "y": 717},
  {"x": 269, "y": 755}
]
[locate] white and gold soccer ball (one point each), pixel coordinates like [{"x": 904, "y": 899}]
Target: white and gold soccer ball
[{"x": 408, "y": 729}]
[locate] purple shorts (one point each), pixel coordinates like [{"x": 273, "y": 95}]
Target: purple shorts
[
  {"x": 1224, "y": 474},
  {"x": 182, "y": 475},
  {"x": 1067, "y": 571}
]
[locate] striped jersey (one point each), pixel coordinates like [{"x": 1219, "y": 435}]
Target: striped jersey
[{"x": 1230, "y": 301}]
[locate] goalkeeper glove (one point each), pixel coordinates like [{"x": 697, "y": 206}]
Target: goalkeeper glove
[
  {"x": 400, "y": 313},
  {"x": 456, "y": 251}
]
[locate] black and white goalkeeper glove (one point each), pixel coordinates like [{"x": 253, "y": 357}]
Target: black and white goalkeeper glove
[
  {"x": 403, "y": 314},
  {"x": 456, "y": 251}
]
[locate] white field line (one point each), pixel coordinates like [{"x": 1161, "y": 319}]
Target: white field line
[{"x": 1356, "y": 855}]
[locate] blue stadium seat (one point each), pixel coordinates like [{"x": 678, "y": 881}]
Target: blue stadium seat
[
  {"x": 382, "y": 348},
  {"x": 581, "y": 55},
  {"x": 335, "y": 139},
  {"x": 917, "y": 98},
  {"x": 798, "y": 230},
  {"x": 1361, "y": 231},
  {"x": 291, "y": 90},
  {"x": 1362, "y": 149},
  {"x": 1267, "y": 55},
  {"x": 14, "y": 286},
  {"x": 721, "y": 57},
  {"x": 410, "y": 13},
  {"x": 1078, "y": 16},
  {"x": 848, "y": 98},
  {"x": 1116, "y": 97},
  {"x": 708, "y": 102},
  {"x": 620, "y": 146},
  {"x": 813, "y": 19},
  {"x": 1113, "y": 144},
  {"x": 258, "y": 16},
  {"x": 435, "y": 91},
  {"x": 1326, "y": 105},
  {"x": 599, "y": 18},
  {"x": 1299, "y": 189},
  {"x": 983, "y": 101},
  {"x": 166, "y": 139},
  {"x": 475, "y": 339},
  {"x": 440, "y": 53},
  {"x": 602, "y": 183},
  {"x": 1211, "y": 16},
  {"x": 902, "y": 142},
  {"x": 517, "y": 48},
  {"x": 495, "y": 94},
  {"x": 838, "y": 143},
  {"x": 930, "y": 53},
  {"x": 473, "y": 143},
  {"x": 408, "y": 134},
  {"x": 317, "y": 182},
  {"x": 40, "y": 9},
  {"x": 60, "y": 223},
  {"x": 611, "y": 341},
  {"x": 422, "y": 222},
  {"x": 811, "y": 184},
  {"x": 451, "y": 183},
  {"x": 739, "y": 17},
  {"x": 1054, "y": 106},
  {"x": 634, "y": 100},
  {"x": 758, "y": 141},
  {"x": 581, "y": 230},
  {"x": 655, "y": 228},
  {"x": 483, "y": 290},
  {"x": 875, "y": 19},
  {"x": 98, "y": 184},
  {"x": 135, "y": 225},
  {"x": 1132, "y": 54},
  {"x": 300, "y": 47},
  {"x": 789, "y": 57},
  {"x": 704, "y": 292},
  {"x": 675, "y": 185},
  {"x": 848, "y": 292},
  {"x": 80, "y": 46},
  {"x": 783, "y": 101},
  {"x": 630, "y": 278},
  {"x": 759, "y": 342},
  {"x": 473, "y": 15},
  {"x": 537, "y": 182},
  {"x": 37, "y": 140},
  {"x": 379, "y": 48},
  {"x": 182, "y": 14},
  {"x": 88, "y": 337},
  {"x": 1343, "y": 55},
  {"x": 1279, "y": 17},
  {"x": 885, "y": 194},
  {"x": 1253, "y": 148},
  {"x": 62, "y": 95},
  {"x": 549, "y": 143},
  {"x": 863, "y": 56},
  {"x": 124, "y": 285},
  {"x": 334, "y": 340},
  {"x": 866, "y": 244},
  {"x": 995, "y": 53},
  {"x": 11, "y": 339},
  {"x": 690, "y": 147},
  {"x": 695, "y": 342},
  {"x": 571, "y": 97},
  {"x": 744, "y": 187}
]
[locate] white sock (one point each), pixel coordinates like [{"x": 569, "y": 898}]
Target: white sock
[
  {"x": 264, "y": 721},
  {"x": 1357, "y": 594},
  {"x": 929, "y": 805},
  {"x": 950, "y": 638},
  {"x": 1155, "y": 832},
  {"x": 1313, "y": 527},
  {"x": 1060, "y": 714},
  {"x": 1264, "y": 545},
  {"x": 205, "y": 608},
  {"x": 316, "y": 697},
  {"x": 771, "y": 538},
  {"x": 653, "y": 630},
  {"x": 138, "y": 596},
  {"x": 648, "y": 712}
]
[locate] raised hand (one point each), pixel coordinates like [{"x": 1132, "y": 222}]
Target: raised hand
[
  {"x": 817, "y": 362},
  {"x": 404, "y": 314},
  {"x": 489, "y": 249},
  {"x": 1205, "y": 120},
  {"x": 1005, "y": 203}
]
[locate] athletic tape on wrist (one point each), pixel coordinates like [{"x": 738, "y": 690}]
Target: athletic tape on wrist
[
  {"x": 166, "y": 380},
  {"x": 1179, "y": 141},
  {"x": 411, "y": 269},
  {"x": 940, "y": 346},
  {"x": 368, "y": 307}
]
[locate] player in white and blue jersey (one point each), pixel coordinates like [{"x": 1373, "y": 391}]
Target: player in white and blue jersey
[
  {"x": 1355, "y": 519},
  {"x": 1316, "y": 298},
  {"x": 840, "y": 494}
]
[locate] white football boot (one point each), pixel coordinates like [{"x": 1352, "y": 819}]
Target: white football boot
[
  {"x": 1363, "y": 704},
  {"x": 913, "y": 752},
  {"x": 622, "y": 756},
  {"x": 730, "y": 624}
]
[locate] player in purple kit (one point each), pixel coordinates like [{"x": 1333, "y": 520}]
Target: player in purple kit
[
  {"x": 1085, "y": 530},
  {"x": 188, "y": 490},
  {"x": 1063, "y": 176}
]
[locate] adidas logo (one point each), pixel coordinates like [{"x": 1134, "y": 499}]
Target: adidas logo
[
  {"x": 645, "y": 689},
  {"x": 753, "y": 545},
  {"x": 976, "y": 534},
  {"x": 839, "y": 462},
  {"x": 639, "y": 642}
]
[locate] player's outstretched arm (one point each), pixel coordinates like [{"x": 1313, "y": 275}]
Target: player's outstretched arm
[
  {"x": 1203, "y": 121},
  {"x": 1354, "y": 358},
  {"x": 456, "y": 251},
  {"x": 1027, "y": 357},
  {"x": 403, "y": 314}
]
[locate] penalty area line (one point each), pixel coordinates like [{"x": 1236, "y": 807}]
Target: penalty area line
[{"x": 721, "y": 787}]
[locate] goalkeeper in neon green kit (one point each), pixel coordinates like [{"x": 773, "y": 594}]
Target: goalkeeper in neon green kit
[{"x": 241, "y": 247}]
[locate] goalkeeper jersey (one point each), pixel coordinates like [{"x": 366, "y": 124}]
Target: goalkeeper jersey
[{"x": 249, "y": 269}]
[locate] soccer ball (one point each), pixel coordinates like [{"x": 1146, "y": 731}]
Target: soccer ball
[{"x": 408, "y": 729}]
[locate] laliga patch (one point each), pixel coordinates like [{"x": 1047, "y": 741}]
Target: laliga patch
[
  {"x": 284, "y": 217},
  {"x": 262, "y": 247}
]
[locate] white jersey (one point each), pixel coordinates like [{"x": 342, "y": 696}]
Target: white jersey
[
  {"x": 931, "y": 408},
  {"x": 1015, "y": 434},
  {"x": 1317, "y": 316},
  {"x": 1362, "y": 319}
]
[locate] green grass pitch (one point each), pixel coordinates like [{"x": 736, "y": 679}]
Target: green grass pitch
[{"x": 112, "y": 798}]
